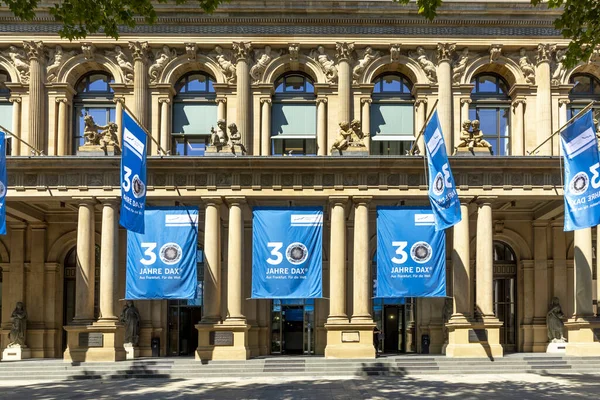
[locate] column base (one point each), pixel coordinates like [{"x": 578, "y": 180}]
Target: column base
[
  {"x": 584, "y": 337},
  {"x": 101, "y": 341},
  {"x": 479, "y": 339},
  {"x": 222, "y": 342},
  {"x": 347, "y": 340}
]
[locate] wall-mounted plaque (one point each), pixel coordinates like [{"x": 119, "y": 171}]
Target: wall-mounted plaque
[
  {"x": 350, "y": 337},
  {"x": 91, "y": 339},
  {"x": 478, "y": 335},
  {"x": 221, "y": 338}
]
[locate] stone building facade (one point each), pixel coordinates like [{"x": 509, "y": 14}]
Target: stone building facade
[{"x": 287, "y": 73}]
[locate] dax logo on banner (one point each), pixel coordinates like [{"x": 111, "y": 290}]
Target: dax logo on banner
[
  {"x": 582, "y": 174},
  {"x": 3, "y": 183},
  {"x": 411, "y": 254},
  {"x": 442, "y": 190},
  {"x": 162, "y": 263},
  {"x": 133, "y": 175},
  {"x": 287, "y": 252}
]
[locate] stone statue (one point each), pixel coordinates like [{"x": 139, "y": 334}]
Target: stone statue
[
  {"x": 466, "y": 137},
  {"x": 343, "y": 139},
  {"x": 131, "y": 318},
  {"x": 219, "y": 137},
  {"x": 56, "y": 58},
  {"x": 224, "y": 60},
  {"x": 91, "y": 131},
  {"x": 20, "y": 62},
  {"x": 328, "y": 65},
  {"x": 161, "y": 59},
  {"x": 555, "y": 323},
  {"x": 560, "y": 70},
  {"x": 364, "y": 62},
  {"x": 18, "y": 329},
  {"x": 460, "y": 66},
  {"x": 357, "y": 136},
  {"x": 235, "y": 138},
  {"x": 478, "y": 140},
  {"x": 110, "y": 138},
  {"x": 123, "y": 62},
  {"x": 261, "y": 63},
  {"x": 426, "y": 64},
  {"x": 526, "y": 67}
]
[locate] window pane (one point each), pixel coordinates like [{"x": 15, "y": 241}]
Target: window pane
[
  {"x": 392, "y": 119},
  {"x": 6, "y": 115},
  {"x": 504, "y": 149},
  {"x": 487, "y": 84},
  {"x": 279, "y": 87},
  {"x": 98, "y": 83},
  {"x": 293, "y": 119},
  {"x": 391, "y": 83},
  {"x": 195, "y": 147},
  {"x": 488, "y": 117},
  {"x": 294, "y": 84},
  {"x": 194, "y": 118},
  {"x": 293, "y": 147},
  {"x": 179, "y": 145},
  {"x": 309, "y": 87},
  {"x": 196, "y": 83},
  {"x": 582, "y": 84},
  {"x": 494, "y": 142}
]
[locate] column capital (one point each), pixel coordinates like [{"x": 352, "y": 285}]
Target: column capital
[
  {"x": 109, "y": 201},
  {"x": 221, "y": 100},
  {"x": 544, "y": 53},
  {"x": 466, "y": 200},
  {"x": 445, "y": 51},
  {"x": 62, "y": 100},
  {"x": 563, "y": 102},
  {"x": 85, "y": 201},
  {"x": 485, "y": 200},
  {"x": 518, "y": 101},
  {"x": 242, "y": 51},
  {"x": 34, "y": 50},
  {"x": 212, "y": 200},
  {"x": 235, "y": 200},
  {"x": 139, "y": 51},
  {"x": 164, "y": 100},
  {"x": 420, "y": 102},
  {"x": 15, "y": 100},
  {"x": 321, "y": 100},
  {"x": 120, "y": 100},
  {"x": 465, "y": 101},
  {"x": 343, "y": 51},
  {"x": 366, "y": 100},
  {"x": 362, "y": 200},
  {"x": 265, "y": 101},
  {"x": 338, "y": 200}
]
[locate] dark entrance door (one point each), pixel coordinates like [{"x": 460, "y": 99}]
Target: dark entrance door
[
  {"x": 292, "y": 326},
  {"x": 392, "y": 329},
  {"x": 293, "y": 329},
  {"x": 183, "y": 336},
  {"x": 397, "y": 325}
]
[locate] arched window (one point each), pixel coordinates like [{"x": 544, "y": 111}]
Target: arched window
[
  {"x": 491, "y": 106},
  {"x": 392, "y": 116},
  {"x": 505, "y": 292},
  {"x": 5, "y": 107},
  {"x": 586, "y": 88},
  {"x": 294, "y": 116},
  {"x": 194, "y": 113},
  {"x": 95, "y": 98}
]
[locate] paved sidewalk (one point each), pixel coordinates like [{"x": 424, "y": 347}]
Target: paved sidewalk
[{"x": 463, "y": 387}]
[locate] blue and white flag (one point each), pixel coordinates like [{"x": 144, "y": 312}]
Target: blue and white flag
[
  {"x": 411, "y": 254},
  {"x": 287, "y": 248},
  {"x": 582, "y": 174},
  {"x": 3, "y": 183},
  {"x": 133, "y": 175},
  {"x": 442, "y": 189},
  {"x": 162, "y": 263}
]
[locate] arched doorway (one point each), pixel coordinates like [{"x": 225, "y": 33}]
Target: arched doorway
[{"x": 505, "y": 292}]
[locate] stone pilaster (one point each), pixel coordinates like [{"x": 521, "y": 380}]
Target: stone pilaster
[
  {"x": 322, "y": 126},
  {"x": 120, "y": 102},
  {"x": 265, "y": 134},
  {"x": 37, "y": 96},
  {"x": 518, "y": 137},
  {"x": 563, "y": 107},
  {"x": 344, "y": 54},
  {"x": 165, "y": 124},
  {"x": 139, "y": 51},
  {"x": 242, "y": 51},
  {"x": 421, "y": 106},
  {"x": 543, "y": 118},
  {"x": 559, "y": 256},
  {"x": 464, "y": 110},
  {"x": 366, "y": 121},
  {"x": 109, "y": 258},
  {"x": 63, "y": 130},
  {"x": 583, "y": 323},
  {"x": 444, "y": 75},
  {"x": 86, "y": 256},
  {"x": 16, "y": 127}
]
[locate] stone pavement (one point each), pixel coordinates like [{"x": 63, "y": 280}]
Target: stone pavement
[{"x": 463, "y": 387}]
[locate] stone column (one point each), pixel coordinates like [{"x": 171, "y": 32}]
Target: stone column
[
  {"x": 518, "y": 136},
  {"x": 362, "y": 272},
  {"x": 344, "y": 54},
  {"x": 485, "y": 261},
  {"x": 86, "y": 256},
  {"x": 444, "y": 75},
  {"x": 543, "y": 118},
  {"x": 366, "y": 121},
  {"x": 140, "y": 50},
  {"x": 322, "y": 126},
  {"x": 212, "y": 260},
  {"x": 165, "y": 123},
  {"x": 37, "y": 96},
  {"x": 242, "y": 52},
  {"x": 63, "y": 118},
  {"x": 221, "y": 108},
  {"x": 583, "y": 274},
  {"x": 265, "y": 135},
  {"x": 120, "y": 102},
  {"x": 464, "y": 110},
  {"x": 109, "y": 259},
  {"x": 563, "y": 106},
  {"x": 559, "y": 255},
  {"x": 461, "y": 267},
  {"x": 16, "y": 128},
  {"x": 337, "y": 261},
  {"x": 235, "y": 259},
  {"x": 421, "y": 106}
]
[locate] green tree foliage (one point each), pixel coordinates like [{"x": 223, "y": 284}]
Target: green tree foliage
[{"x": 580, "y": 22}]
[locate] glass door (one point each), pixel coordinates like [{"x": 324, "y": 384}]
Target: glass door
[{"x": 292, "y": 326}]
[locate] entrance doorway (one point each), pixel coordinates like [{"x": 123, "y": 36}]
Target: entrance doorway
[
  {"x": 505, "y": 291},
  {"x": 292, "y": 326},
  {"x": 396, "y": 320},
  {"x": 183, "y": 336}
]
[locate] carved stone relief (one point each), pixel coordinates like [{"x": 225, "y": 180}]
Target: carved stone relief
[
  {"x": 294, "y": 52},
  {"x": 495, "y": 52},
  {"x": 460, "y": 65},
  {"x": 88, "y": 50},
  {"x": 368, "y": 56},
  {"x": 327, "y": 64},
  {"x": 423, "y": 58},
  {"x": 161, "y": 58},
  {"x": 445, "y": 51},
  {"x": 139, "y": 51},
  {"x": 344, "y": 50},
  {"x": 395, "y": 52},
  {"x": 559, "y": 70},
  {"x": 20, "y": 62},
  {"x": 56, "y": 58},
  {"x": 123, "y": 62},
  {"x": 545, "y": 52},
  {"x": 191, "y": 50},
  {"x": 242, "y": 51},
  {"x": 225, "y": 60},
  {"x": 526, "y": 66},
  {"x": 263, "y": 58}
]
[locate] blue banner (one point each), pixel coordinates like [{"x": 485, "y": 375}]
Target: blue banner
[
  {"x": 582, "y": 175},
  {"x": 162, "y": 263},
  {"x": 442, "y": 189},
  {"x": 287, "y": 249},
  {"x": 3, "y": 183},
  {"x": 411, "y": 254},
  {"x": 133, "y": 175}
]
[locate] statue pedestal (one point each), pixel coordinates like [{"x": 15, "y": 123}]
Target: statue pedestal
[
  {"x": 584, "y": 337},
  {"x": 349, "y": 340},
  {"x": 477, "y": 152},
  {"x": 224, "y": 151},
  {"x": 101, "y": 341},
  {"x": 557, "y": 348},
  {"x": 131, "y": 352},
  {"x": 16, "y": 353},
  {"x": 97, "y": 151},
  {"x": 351, "y": 151}
]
